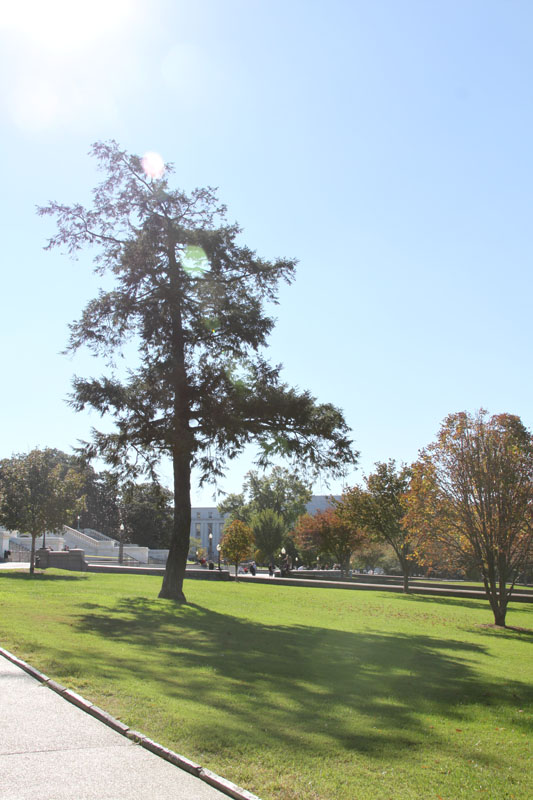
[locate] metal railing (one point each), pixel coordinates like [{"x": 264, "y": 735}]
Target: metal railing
[
  {"x": 127, "y": 560},
  {"x": 19, "y": 553},
  {"x": 100, "y": 537}
]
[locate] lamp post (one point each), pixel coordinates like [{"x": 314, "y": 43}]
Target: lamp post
[
  {"x": 210, "y": 550},
  {"x": 218, "y": 553},
  {"x": 284, "y": 568},
  {"x": 121, "y": 544}
]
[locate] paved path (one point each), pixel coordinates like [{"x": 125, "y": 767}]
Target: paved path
[{"x": 52, "y": 750}]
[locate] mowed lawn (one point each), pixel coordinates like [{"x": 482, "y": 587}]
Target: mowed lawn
[{"x": 295, "y": 692}]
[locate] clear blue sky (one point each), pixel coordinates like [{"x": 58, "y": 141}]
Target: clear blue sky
[{"x": 387, "y": 145}]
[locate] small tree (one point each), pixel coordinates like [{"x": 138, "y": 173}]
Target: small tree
[
  {"x": 195, "y": 545},
  {"x": 102, "y": 507},
  {"x": 471, "y": 498},
  {"x": 282, "y": 491},
  {"x": 380, "y": 510},
  {"x": 306, "y": 538},
  {"x": 237, "y": 543},
  {"x": 331, "y": 534},
  {"x": 147, "y": 513},
  {"x": 268, "y": 529},
  {"x": 38, "y": 494},
  {"x": 375, "y": 554}
]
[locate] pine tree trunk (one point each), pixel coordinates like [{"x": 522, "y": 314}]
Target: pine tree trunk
[
  {"x": 172, "y": 587},
  {"x": 182, "y": 447}
]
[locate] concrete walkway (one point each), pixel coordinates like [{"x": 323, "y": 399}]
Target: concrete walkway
[{"x": 52, "y": 750}]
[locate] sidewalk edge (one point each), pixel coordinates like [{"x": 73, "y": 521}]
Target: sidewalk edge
[{"x": 206, "y": 775}]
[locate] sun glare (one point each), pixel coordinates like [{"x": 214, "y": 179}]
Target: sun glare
[
  {"x": 153, "y": 165},
  {"x": 62, "y": 25}
]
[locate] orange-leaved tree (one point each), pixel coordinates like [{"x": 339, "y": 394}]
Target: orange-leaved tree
[
  {"x": 237, "y": 543},
  {"x": 329, "y": 533},
  {"x": 471, "y": 497},
  {"x": 306, "y": 539}
]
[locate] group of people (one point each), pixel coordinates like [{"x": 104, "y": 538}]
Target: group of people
[{"x": 250, "y": 568}]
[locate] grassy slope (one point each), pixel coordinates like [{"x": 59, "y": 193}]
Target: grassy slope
[{"x": 295, "y": 693}]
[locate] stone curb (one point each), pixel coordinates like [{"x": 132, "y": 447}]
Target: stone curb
[
  {"x": 223, "y": 785},
  {"x": 226, "y": 786}
]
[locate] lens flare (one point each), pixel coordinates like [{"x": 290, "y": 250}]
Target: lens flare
[
  {"x": 153, "y": 165},
  {"x": 211, "y": 324},
  {"x": 194, "y": 261}
]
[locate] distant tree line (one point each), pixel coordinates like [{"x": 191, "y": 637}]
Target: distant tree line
[
  {"x": 463, "y": 509},
  {"x": 45, "y": 489}
]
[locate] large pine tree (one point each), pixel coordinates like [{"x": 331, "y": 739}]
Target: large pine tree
[{"x": 193, "y": 301}]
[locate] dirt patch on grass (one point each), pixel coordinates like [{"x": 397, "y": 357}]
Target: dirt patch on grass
[{"x": 514, "y": 628}]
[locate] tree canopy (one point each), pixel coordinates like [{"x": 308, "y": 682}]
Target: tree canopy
[
  {"x": 471, "y": 496},
  {"x": 380, "y": 510},
  {"x": 146, "y": 512},
  {"x": 191, "y": 299},
  {"x": 328, "y": 533},
  {"x": 270, "y": 503},
  {"x": 237, "y": 543},
  {"x": 38, "y": 493},
  {"x": 268, "y": 528}
]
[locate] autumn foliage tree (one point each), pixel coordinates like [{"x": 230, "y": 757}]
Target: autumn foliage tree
[
  {"x": 329, "y": 533},
  {"x": 471, "y": 497},
  {"x": 192, "y": 301},
  {"x": 237, "y": 543}
]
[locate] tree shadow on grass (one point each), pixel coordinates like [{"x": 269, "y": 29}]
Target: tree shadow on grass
[
  {"x": 299, "y": 685},
  {"x": 509, "y": 632},
  {"x": 465, "y": 602},
  {"x": 40, "y": 577}
]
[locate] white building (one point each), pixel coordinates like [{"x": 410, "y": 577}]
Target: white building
[{"x": 206, "y": 522}]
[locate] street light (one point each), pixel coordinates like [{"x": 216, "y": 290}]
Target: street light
[
  {"x": 218, "y": 552},
  {"x": 210, "y": 551},
  {"x": 284, "y": 567},
  {"x": 121, "y": 544}
]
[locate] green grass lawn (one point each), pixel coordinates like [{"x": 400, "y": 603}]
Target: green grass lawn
[{"x": 295, "y": 693}]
